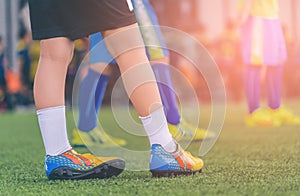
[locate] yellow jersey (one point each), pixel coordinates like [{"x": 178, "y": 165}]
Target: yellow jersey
[{"x": 263, "y": 8}]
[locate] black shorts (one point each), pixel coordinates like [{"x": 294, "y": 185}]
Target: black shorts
[{"x": 75, "y": 19}]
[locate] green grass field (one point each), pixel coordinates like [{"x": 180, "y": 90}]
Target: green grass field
[{"x": 244, "y": 161}]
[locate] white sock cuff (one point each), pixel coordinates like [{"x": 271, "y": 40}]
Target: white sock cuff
[
  {"x": 156, "y": 119},
  {"x": 51, "y": 109}
]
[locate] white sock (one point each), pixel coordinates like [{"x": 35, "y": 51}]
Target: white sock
[
  {"x": 157, "y": 130},
  {"x": 54, "y": 130}
]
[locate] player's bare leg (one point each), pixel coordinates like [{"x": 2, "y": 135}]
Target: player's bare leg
[
  {"x": 49, "y": 84},
  {"x": 142, "y": 89}
]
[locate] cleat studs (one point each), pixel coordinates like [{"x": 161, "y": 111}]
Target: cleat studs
[
  {"x": 69, "y": 173},
  {"x": 60, "y": 172}
]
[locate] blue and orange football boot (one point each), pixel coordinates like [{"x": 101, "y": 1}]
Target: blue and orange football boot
[
  {"x": 74, "y": 166},
  {"x": 180, "y": 162}
]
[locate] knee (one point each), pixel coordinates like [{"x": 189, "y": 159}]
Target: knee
[{"x": 57, "y": 50}]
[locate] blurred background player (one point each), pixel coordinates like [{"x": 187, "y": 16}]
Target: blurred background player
[
  {"x": 98, "y": 77},
  {"x": 113, "y": 18},
  {"x": 263, "y": 47},
  {"x": 2, "y": 78}
]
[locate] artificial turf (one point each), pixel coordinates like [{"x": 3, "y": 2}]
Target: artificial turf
[{"x": 244, "y": 161}]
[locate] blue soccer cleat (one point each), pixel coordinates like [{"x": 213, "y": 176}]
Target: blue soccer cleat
[
  {"x": 180, "y": 162},
  {"x": 74, "y": 166}
]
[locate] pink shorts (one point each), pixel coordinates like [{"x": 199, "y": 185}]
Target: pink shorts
[{"x": 263, "y": 42}]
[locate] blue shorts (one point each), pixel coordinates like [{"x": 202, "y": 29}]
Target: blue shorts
[{"x": 152, "y": 36}]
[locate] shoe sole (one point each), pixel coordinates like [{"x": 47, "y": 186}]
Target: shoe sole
[
  {"x": 95, "y": 145},
  {"x": 169, "y": 173},
  {"x": 202, "y": 139},
  {"x": 102, "y": 146},
  {"x": 105, "y": 170},
  {"x": 79, "y": 146}
]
